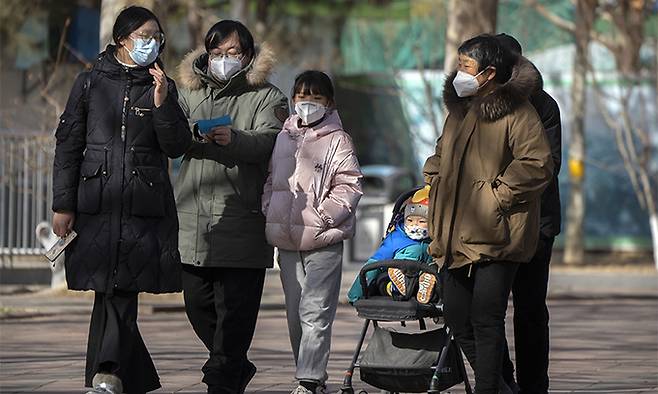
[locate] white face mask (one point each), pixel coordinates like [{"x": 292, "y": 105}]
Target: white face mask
[
  {"x": 416, "y": 233},
  {"x": 466, "y": 84},
  {"x": 310, "y": 111},
  {"x": 225, "y": 67}
]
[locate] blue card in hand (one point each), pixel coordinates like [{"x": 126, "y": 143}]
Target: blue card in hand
[{"x": 205, "y": 125}]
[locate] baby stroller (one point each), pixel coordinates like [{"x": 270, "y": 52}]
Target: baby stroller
[{"x": 423, "y": 361}]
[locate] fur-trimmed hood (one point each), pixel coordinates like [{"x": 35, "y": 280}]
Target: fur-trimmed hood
[
  {"x": 193, "y": 70},
  {"x": 523, "y": 83}
]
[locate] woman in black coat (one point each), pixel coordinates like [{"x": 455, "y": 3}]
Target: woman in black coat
[{"x": 111, "y": 186}]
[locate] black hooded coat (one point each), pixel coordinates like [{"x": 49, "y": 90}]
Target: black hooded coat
[{"x": 111, "y": 170}]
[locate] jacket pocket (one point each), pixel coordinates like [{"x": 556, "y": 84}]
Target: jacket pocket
[
  {"x": 482, "y": 220},
  {"x": 148, "y": 194},
  {"x": 247, "y": 183},
  {"x": 64, "y": 128},
  {"x": 319, "y": 222},
  {"x": 90, "y": 188},
  {"x": 142, "y": 112}
]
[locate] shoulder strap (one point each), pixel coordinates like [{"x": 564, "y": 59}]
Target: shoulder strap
[
  {"x": 85, "y": 89},
  {"x": 86, "y": 86}
]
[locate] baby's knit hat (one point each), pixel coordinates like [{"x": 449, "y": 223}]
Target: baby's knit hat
[{"x": 418, "y": 204}]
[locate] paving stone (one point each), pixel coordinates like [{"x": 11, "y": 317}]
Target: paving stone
[{"x": 603, "y": 345}]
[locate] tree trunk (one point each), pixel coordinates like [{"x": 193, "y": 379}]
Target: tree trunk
[
  {"x": 467, "y": 19},
  {"x": 628, "y": 18},
  {"x": 194, "y": 23},
  {"x": 574, "y": 251},
  {"x": 240, "y": 11},
  {"x": 653, "y": 222},
  {"x": 262, "y": 18},
  {"x": 109, "y": 11}
]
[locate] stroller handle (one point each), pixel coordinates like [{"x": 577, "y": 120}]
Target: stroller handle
[{"x": 405, "y": 265}]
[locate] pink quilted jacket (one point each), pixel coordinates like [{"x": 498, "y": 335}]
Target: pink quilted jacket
[{"x": 313, "y": 187}]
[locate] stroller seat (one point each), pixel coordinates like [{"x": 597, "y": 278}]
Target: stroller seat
[{"x": 383, "y": 308}]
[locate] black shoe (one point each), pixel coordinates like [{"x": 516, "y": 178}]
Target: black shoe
[
  {"x": 248, "y": 375},
  {"x": 504, "y": 388}
]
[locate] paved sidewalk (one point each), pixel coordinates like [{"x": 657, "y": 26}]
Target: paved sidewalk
[{"x": 600, "y": 343}]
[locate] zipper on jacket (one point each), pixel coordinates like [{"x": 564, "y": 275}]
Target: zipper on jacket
[
  {"x": 105, "y": 150},
  {"x": 296, "y": 174},
  {"x": 140, "y": 111},
  {"x": 470, "y": 268},
  {"x": 126, "y": 97},
  {"x": 451, "y": 233},
  {"x": 124, "y": 109}
]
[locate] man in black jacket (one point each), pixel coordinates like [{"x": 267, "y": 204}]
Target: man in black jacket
[{"x": 531, "y": 335}]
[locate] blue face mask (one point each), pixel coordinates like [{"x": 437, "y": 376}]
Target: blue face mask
[{"x": 144, "y": 52}]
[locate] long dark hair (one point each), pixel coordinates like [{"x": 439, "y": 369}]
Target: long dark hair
[{"x": 130, "y": 19}]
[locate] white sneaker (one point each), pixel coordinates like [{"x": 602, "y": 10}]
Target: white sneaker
[
  {"x": 105, "y": 383},
  {"x": 321, "y": 389},
  {"x": 426, "y": 283},
  {"x": 301, "y": 390},
  {"x": 399, "y": 280}
]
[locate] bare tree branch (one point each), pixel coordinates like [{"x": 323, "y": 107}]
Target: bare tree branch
[
  {"x": 621, "y": 141},
  {"x": 604, "y": 40},
  {"x": 429, "y": 95},
  {"x": 45, "y": 90},
  {"x": 569, "y": 26},
  {"x": 636, "y": 162},
  {"x": 552, "y": 17},
  {"x": 78, "y": 56}
]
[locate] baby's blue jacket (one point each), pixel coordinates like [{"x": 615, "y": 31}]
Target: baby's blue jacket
[{"x": 397, "y": 245}]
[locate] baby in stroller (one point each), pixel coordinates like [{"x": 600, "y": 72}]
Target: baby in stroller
[
  {"x": 399, "y": 284},
  {"x": 406, "y": 239}
]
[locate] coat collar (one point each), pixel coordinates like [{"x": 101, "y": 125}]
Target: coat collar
[
  {"x": 504, "y": 100},
  {"x": 329, "y": 124},
  {"x": 193, "y": 71},
  {"x": 107, "y": 64}
]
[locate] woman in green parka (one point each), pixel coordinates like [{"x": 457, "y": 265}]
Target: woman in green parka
[{"x": 222, "y": 230}]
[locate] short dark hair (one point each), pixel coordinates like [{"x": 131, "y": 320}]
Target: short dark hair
[
  {"x": 224, "y": 29},
  {"x": 314, "y": 82},
  {"x": 130, "y": 19},
  {"x": 488, "y": 52},
  {"x": 510, "y": 43}
]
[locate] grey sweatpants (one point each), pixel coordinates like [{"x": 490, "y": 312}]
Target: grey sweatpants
[{"x": 311, "y": 283}]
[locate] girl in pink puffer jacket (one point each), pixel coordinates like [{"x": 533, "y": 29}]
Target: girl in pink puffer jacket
[{"x": 309, "y": 200}]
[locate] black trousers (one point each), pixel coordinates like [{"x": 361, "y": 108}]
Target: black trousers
[
  {"x": 475, "y": 302},
  {"x": 222, "y": 304},
  {"x": 531, "y": 335},
  {"x": 116, "y": 346}
]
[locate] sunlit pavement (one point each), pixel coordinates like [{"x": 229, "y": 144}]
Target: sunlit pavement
[{"x": 599, "y": 343}]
